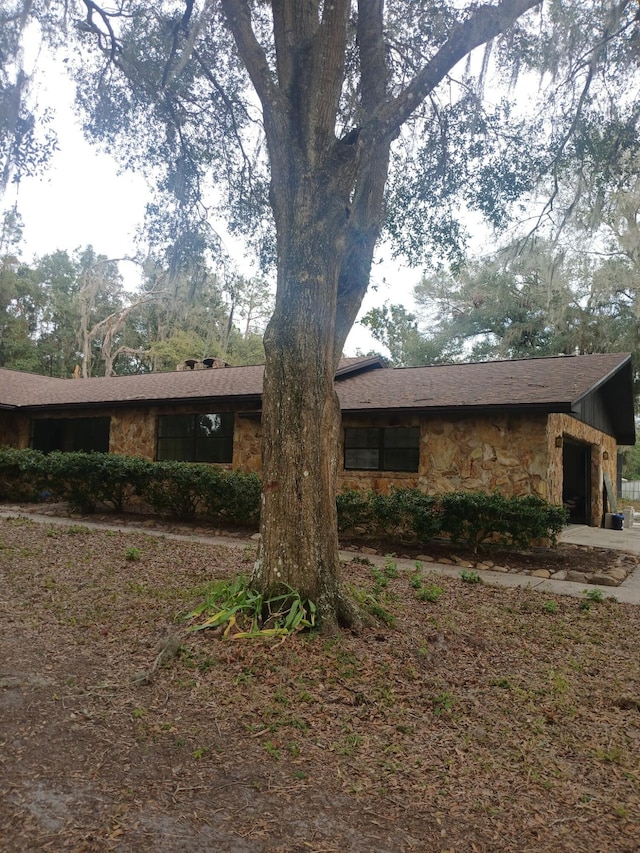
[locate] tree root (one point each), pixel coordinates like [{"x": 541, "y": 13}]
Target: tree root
[{"x": 342, "y": 612}]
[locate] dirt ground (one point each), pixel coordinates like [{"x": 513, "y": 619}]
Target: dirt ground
[{"x": 486, "y": 720}]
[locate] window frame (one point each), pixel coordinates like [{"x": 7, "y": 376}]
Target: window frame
[
  {"x": 220, "y": 448},
  {"x": 383, "y": 448},
  {"x": 71, "y": 434}
]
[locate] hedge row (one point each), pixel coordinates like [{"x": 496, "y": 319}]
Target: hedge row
[
  {"x": 187, "y": 491},
  {"x": 174, "y": 489},
  {"x": 464, "y": 517}
]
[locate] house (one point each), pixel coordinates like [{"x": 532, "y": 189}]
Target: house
[{"x": 546, "y": 426}]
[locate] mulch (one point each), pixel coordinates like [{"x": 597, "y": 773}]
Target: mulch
[{"x": 485, "y": 720}]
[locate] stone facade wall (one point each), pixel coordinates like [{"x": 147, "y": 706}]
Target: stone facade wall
[
  {"x": 505, "y": 452},
  {"x": 247, "y": 447},
  {"x": 603, "y": 460},
  {"x": 132, "y": 431}
]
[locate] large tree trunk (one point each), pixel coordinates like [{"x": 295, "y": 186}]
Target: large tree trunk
[{"x": 301, "y": 413}]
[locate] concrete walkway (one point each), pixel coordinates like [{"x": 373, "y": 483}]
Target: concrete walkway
[{"x": 624, "y": 540}]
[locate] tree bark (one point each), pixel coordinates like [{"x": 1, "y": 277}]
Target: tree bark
[{"x": 301, "y": 413}]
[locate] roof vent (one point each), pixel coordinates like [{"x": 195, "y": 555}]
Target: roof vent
[
  {"x": 205, "y": 364},
  {"x": 214, "y": 362}
]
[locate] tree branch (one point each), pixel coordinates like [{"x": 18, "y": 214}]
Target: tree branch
[
  {"x": 294, "y": 26},
  {"x": 238, "y": 16},
  {"x": 485, "y": 23},
  {"x": 90, "y": 26},
  {"x": 371, "y": 44},
  {"x": 328, "y": 59}
]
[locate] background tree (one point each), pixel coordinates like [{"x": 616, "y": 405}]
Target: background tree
[
  {"x": 197, "y": 314},
  {"x": 18, "y": 300},
  {"x": 523, "y": 302}
]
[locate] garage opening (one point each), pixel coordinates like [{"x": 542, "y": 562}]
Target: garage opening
[{"x": 576, "y": 480}]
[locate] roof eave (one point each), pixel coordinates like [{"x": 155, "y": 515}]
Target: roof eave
[
  {"x": 147, "y": 401},
  {"x": 604, "y": 379},
  {"x": 374, "y": 362},
  {"x": 559, "y": 407}
]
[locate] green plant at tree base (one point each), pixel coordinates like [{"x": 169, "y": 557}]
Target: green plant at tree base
[
  {"x": 416, "y": 575},
  {"x": 373, "y": 601},
  {"x": 235, "y": 605},
  {"x": 390, "y": 567},
  {"x": 595, "y": 595},
  {"x": 442, "y": 704},
  {"x": 132, "y": 555},
  {"x": 381, "y": 582}
]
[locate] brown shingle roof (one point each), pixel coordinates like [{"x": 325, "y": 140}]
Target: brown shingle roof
[
  {"x": 27, "y": 390},
  {"x": 30, "y": 390},
  {"x": 545, "y": 382},
  {"x": 23, "y": 389}
]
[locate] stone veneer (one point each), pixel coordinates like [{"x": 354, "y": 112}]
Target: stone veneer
[
  {"x": 513, "y": 453},
  {"x": 517, "y": 454},
  {"x": 503, "y": 451},
  {"x": 132, "y": 431},
  {"x": 604, "y": 460}
]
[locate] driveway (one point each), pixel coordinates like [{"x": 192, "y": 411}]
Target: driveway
[{"x": 627, "y": 539}]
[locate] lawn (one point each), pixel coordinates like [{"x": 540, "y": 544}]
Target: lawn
[{"x": 467, "y": 718}]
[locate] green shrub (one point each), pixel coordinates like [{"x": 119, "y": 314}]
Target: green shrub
[
  {"x": 354, "y": 509},
  {"x": 415, "y": 512},
  {"x": 22, "y": 474},
  {"x": 89, "y": 479},
  {"x": 234, "y": 496},
  {"x": 185, "y": 491},
  {"x": 429, "y": 593},
  {"x": 175, "y": 489},
  {"x": 405, "y": 513},
  {"x": 477, "y": 517}
]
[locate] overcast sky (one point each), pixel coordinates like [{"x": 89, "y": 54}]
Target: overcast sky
[{"x": 82, "y": 199}]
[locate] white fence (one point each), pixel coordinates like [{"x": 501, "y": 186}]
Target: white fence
[{"x": 631, "y": 490}]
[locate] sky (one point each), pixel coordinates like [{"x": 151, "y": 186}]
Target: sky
[{"x": 83, "y": 198}]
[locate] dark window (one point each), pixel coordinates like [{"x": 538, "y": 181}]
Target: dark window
[
  {"x": 70, "y": 434},
  {"x": 382, "y": 448},
  {"x": 195, "y": 438}
]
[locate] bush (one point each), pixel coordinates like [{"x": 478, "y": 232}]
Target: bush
[
  {"x": 233, "y": 496},
  {"x": 354, "y": 509},
  {"x": 415, "y": 512},
  {"x": 89, "y": 479},
  {"x": 476, "y": 517},
  {"x": 22, "y": 474},
  {"x": 402, "y": 513},
  {"x": 184, "y": 490},
  {"x": 176, "y": 489}
]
